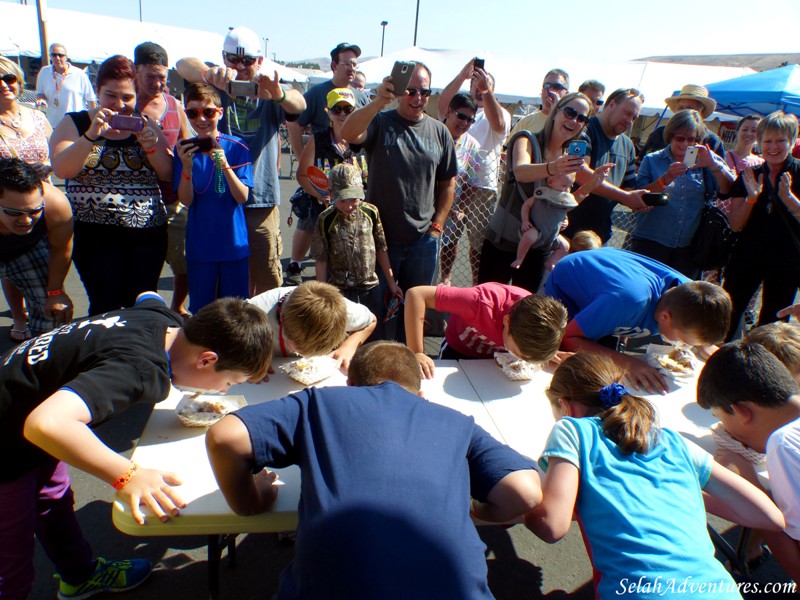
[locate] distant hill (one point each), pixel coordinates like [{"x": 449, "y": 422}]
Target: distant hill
[{"x": 757, "y": 62}]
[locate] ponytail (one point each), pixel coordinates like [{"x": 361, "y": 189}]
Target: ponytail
[{"x": 593, "y": 380}]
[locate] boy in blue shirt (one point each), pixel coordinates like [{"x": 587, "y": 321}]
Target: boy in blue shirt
[
  {"x": 387, "y": 477},
  {"x": 214, "y": 184},
  {"x": 612, "y": 292}
]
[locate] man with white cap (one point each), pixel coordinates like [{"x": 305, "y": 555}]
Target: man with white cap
[
  {"x": 256, "y": 119},
  {"x": 691, "y": 97},
  {"x": 61, "y": 88}
]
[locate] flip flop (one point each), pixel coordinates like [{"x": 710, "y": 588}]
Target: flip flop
[{"x": 20, "y": 335}]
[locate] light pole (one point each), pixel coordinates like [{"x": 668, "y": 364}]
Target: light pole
[
  {"x": 416, "y": 22},
  {"x": 140, "y": 11},
  {"x": 266, "y": 47},
  {"x": 383, "y": 33}
]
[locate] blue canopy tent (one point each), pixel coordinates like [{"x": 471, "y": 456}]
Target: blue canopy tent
[{"x": 762, "y": 93}]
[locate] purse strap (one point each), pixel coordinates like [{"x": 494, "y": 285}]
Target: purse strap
[{"x": 14, "y": 153}]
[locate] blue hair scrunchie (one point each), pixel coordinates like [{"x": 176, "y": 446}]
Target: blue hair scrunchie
[{"x": 611, "y": 395}]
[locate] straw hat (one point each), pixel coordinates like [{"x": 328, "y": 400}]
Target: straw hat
[{"x": 693, "y": 92}]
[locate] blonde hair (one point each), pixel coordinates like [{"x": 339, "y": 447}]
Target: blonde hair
[
  {"x": 584, "y": 240},
  {"x": 778, "y": 122},
  {"x": 536, "y": 324},
  {"x": 783, "y": 340},
  {"x": 314, "y": 318},
  {"x": 381, "y": 361},
  {"x": 9, "y": 66},
  {"x": 581, "y": 378}
]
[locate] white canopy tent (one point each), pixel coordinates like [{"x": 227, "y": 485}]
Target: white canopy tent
[
  {"x": 519, "y": 76},
  {"x": 90, "y": 37}
]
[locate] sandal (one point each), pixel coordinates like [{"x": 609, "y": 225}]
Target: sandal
[{"x": 20, "y": 335}]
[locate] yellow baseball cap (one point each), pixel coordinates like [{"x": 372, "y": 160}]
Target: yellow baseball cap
[{"x": 337, "y": 95}]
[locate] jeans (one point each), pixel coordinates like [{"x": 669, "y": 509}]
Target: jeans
[{"x": 412, "y": 265}]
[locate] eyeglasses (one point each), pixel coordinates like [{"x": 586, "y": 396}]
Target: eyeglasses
[
  {"x": 235, "y": 59},
  {"x": 599, "y": 102},
  {"x": 348, "y": 63},
  {"x": 15, "y": 212},
  {"x": 208, "y": 113},
  {"x": 556, "y": 87},
  {"x": 682, "y": 138},
  {"x": 8, "y": 78},
  {"x": 57, "y": 55},
  {"x": 573, "y": 114},
  {"x": 464, "y": 117},
  {"x": 424, "y": 92},
  {"x": 343, "y": 108}
]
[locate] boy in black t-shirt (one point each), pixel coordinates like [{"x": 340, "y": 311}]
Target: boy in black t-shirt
[{"x": 54, "y": 387}]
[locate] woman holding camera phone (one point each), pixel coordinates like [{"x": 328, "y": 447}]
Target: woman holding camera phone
[
  {"x": 120, "y": 219},
  {"x": 688, "y": 174},
  {"x": 558, "y": 167}
]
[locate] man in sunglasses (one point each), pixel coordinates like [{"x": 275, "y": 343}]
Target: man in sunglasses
[
  {"x": 152, "y": 99},
  {"x": 594, "y": 91},
  {"x": 61, "y": 89},
  {"x": 491, "y": 125},
  {"x": 554, "y": 87},
  {"x": 256, "y": 120},
  {"x": 412, "y": 168},
  {"x": 35, "y": 248},
  {"x": 344, "y": 62}
]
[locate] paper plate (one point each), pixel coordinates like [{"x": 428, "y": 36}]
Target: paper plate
[
  {"x": 514, "y": 367},
  {"x": 311, "y": 370},
  {"x": 206, "y": 409},
  {"x": 658, "y": 356}
]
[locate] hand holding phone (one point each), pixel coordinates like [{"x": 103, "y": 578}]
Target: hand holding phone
[
  {"x": 655, "y": 199},
  {"x": 243, "y": 89},
  {"x": 126, "y": 123},
  {"x": 204, "y": 144},
  {"x": 401, "y": 76},
  {"x": 690, "y": 157},
  {"x": 479, "y": 63},
  {"x": 577, "y": 148}
]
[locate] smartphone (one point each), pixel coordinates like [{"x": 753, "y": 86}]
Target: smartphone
[
  {"x": 690, "y": 157},
  {"x": 654, "y": 199},
  {"x": 126, "y": 123},
  {"x": 577, "y": 148},
  {"x": 401, "y": 75},
  {"x": 243, "y": 89},
  {"x": 479, "y": 63},
  {"x": 203, "y": 144}
]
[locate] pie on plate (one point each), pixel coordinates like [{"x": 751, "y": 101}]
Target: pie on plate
[
  {"x": 309, "y": 371},
  {"x": 514, "y": 367},
  {"x": 205, "y": 410},
  {"x": 672, "y": 361}
]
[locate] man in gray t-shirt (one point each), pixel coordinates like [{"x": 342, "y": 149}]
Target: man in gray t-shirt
[{"x": 412, "y": 168}]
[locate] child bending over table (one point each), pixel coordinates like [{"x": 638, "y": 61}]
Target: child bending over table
[
  {"x": 758, "y": 402},
  {"x": 637, "y": 490},
  {"x": 385, "y": 506},
  {"x": 484, "y": 319},
  {"x": 53, "y": 388}
]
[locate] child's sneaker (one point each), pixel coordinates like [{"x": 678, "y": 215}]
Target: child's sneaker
[
  {"x": 294, "y": 274},
  {"x": 109, "y": 576}
]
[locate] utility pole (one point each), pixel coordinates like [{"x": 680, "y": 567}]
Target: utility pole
[
  {"x": 383, "y": 33},
  {"x": 41, "y": 12},
  {"x": 416, "y": 22}
]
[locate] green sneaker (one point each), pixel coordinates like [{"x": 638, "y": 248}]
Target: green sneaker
[{"x": 108, "y": 576}]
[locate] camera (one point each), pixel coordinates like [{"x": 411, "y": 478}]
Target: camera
[
  {"x": 203, "y": 144},
  {"x": 243, "y": 89},
  {"x": 126, "y": 123},
  {"x": 577, "y": 148},
  {"x": 655, "y": 199}
]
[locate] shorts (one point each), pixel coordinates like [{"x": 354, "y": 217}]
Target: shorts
[{"x": 264, "y": 239}]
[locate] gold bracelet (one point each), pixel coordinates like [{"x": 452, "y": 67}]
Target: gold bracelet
[{"x": 121, "y": 481}]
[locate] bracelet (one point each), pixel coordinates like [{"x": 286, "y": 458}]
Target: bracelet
[
  {"x": 186, "y": 177},
  {"x": 747, "y": 200},
  {"x": 547, "y": 166},
  {"x": 435, "y": 226},
  {"x": 151, "y": 151},
  {"x": 54, "y": 293},
  {"x": 121, "y": 481},
  {"x": 661, "y": 181},
  {"x": 283, "y": 96},
  {"x": 93, "y": 141}
]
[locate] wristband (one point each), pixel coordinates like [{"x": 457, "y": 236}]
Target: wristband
[
  {"x": 747, "y": 200},
  {"x": 283, "y": 96},
  {"x": 121, "y": 481},
  {"x": 54, "y": 293},
  {"x": 436, "y": 226},
  {"x": 547, "y": 166},
  {"x": 151, "y": 151},
  {"x": 93, "y": 141},
  {"x": 662, "y": 181},
  {"x": 186, "y": 177}
]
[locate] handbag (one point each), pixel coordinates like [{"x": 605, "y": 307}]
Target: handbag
[
  {"x": 503, "y": 231},
  {"x": 713, "y": 241},
  {"x": 302, "y": 203}
]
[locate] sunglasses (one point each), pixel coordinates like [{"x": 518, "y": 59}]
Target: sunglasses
[
  {"x": 556, "y": 87},
  {"x": 464, "y": 117},
  {"x": 235, "y": 59},
  {"x": 208, "y": 113},
  {"x": 57, "y": 55},
  {"x": 599, "y": 102},
  {"x": 424, "y": 92},
  {"x": 682, "y": 138},
  {"x": 573, "y": 114},
  {"x": 344, "y": 108},
  {"x": 8, "y": 78},
  {"x": 15, "y": 212}
]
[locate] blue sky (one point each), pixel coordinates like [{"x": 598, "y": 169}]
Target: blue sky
[{"x": 616, "y": 29}]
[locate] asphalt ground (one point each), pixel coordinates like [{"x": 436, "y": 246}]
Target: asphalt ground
[{"x": 520, "y": 566}]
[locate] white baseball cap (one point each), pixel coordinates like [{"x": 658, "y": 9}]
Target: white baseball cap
[{"x": 242, "y": 41}]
